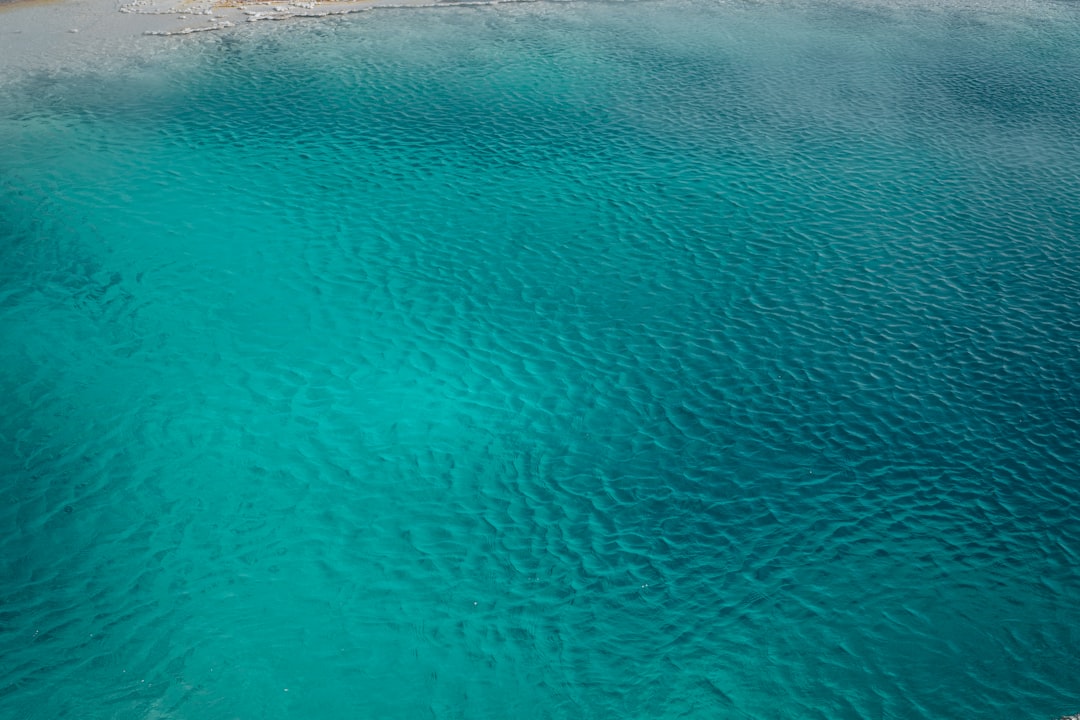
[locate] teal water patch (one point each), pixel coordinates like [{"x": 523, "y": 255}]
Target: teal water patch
[{"x": 548, "y": 361}]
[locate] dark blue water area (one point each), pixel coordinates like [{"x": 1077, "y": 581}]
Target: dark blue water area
[{"x": 580, "y": 360}]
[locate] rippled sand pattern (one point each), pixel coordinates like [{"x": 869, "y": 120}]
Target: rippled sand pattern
[{"x": 548, "y": 361}]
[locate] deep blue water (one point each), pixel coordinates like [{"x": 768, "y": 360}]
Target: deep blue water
[{"x": 635, "y": 360}]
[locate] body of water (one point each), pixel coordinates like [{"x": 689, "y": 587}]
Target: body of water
[{"x": 590, "y": 360}]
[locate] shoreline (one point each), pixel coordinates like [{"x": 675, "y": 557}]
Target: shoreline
[
  {"x": 57, "y": 35},
  {"x": 181, "y": 17},
  {"x": 77, "y": 35}
]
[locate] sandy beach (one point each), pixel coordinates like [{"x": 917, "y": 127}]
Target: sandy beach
[{"x": 79, "y": 34}]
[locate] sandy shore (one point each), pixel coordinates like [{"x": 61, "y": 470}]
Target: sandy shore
[{"x": 59, "y": 34}]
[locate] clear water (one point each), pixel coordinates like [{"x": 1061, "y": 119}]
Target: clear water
[{"x": 590, "y": 360}]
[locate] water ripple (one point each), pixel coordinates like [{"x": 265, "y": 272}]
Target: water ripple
[{"x": 589, "y": 360}]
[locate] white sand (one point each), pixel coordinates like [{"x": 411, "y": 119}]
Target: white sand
[{"x": 79, "y": 34}]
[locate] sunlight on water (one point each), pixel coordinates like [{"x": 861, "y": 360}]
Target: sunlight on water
[{"x": 576, "y": 360}]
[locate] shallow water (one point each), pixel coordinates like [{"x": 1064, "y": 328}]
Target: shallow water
[{"x": 548, "y": 361}]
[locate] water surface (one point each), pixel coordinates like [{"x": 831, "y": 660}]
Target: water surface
[{"x": 592, "y": 360}]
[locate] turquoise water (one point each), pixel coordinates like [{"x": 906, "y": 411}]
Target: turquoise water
[{"x": 592, "y": 360}]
